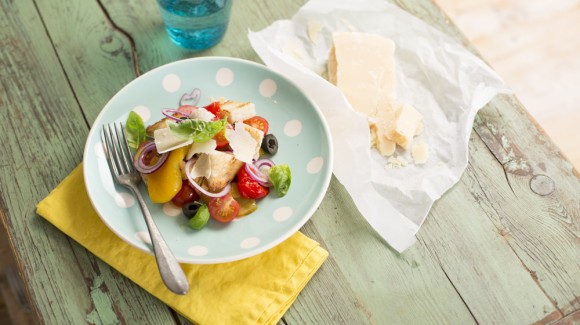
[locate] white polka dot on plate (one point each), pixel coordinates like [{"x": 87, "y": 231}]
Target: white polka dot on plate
[
  {"x": 224, "y": 77},
  {"x": 143, "y": 111},
  {"x": 293, "y": 128},
  {"x": 315, "y": 165},
  {"x": 171, "y": 83},
  {"x": 143, "y": 236},
  {"x": 268, "y": 88},
  {"x": 282, "y": 213},
  {"x": 197, "y": 250},
  {"x": 99, "y": 150},
  {"x": 124, "y": 200},
  {"x": 171, "y": 210},
  {"x": 250, "y": 242}
]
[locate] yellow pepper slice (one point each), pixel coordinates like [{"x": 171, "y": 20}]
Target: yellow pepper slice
[{"x": 165, "y": 183}]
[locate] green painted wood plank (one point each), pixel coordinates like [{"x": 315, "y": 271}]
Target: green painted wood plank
[
  {"x": 329, "y": 291},
  {"x": 536, "y": 206},
  {"x": 96, "y": 57},
  {"x": 44, "y": 132},
  {"x": 482, "y": 266},
  {"x": 142, "y": 23},
  {"x": 388, "y": 288}
]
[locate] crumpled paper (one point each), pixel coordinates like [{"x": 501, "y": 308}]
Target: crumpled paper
[{"x": 435, "y": 74}]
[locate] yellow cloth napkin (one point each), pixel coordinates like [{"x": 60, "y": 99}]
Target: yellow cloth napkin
[{"x": 256, "y": 290}]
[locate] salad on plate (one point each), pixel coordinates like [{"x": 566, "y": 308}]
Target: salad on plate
[{"x": 213, "y": 161}]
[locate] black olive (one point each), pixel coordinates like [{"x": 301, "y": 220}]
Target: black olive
[
  {"x": 190, "y": 208},
  {"x": 270, "y": 144}
]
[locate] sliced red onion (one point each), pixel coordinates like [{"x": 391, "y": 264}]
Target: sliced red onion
[
  {"x": 143, "y": 154},
  {"x": 198, "y": 187},
  {"x": 169, "y": 113},
  {"x": 257, "y": 174},
  {"x": 264, "y": 162}
]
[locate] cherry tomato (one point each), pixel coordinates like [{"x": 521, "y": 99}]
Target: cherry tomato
[
  {"x": 223, "y": 209},
  {"x": 215, "y": 109},
  {"x": 221, "y": 140},
  {"x": 250, "y": 188},
  {"x": 186, "y": 194},
  {"x": 259, "y": 123}
]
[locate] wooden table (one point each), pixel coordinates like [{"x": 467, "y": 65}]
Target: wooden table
[{"x": 500, "y": 247}]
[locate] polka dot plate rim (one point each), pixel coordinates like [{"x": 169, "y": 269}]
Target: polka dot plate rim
[{"x": 305, "y": 145}]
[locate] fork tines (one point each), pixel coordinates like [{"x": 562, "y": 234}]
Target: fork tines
[{"x": 117, "y": 149}]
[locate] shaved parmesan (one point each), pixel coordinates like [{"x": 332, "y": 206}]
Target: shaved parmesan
[
  {"x": 201, "y": 114},
  {"x": 242, "y": 142},
  {"x": 166, "y": 140},
  {"x": 201, "y": 147},
  {"x": 201, "y": 168}
]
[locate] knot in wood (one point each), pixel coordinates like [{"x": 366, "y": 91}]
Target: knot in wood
[{"x": 542, "y": 185}]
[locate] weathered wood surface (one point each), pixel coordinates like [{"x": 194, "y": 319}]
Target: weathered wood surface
[{"x": 500, "y": 247}]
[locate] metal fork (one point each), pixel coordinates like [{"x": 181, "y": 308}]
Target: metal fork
[{"x": 121, "y": 164}]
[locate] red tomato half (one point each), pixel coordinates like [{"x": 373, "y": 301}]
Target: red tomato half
[
  {"x": 215, "y": 109},
  {"x": 250, "y": 188},
  {"x": 223, "y": 209},
  {"x": 259, "y": 123}
]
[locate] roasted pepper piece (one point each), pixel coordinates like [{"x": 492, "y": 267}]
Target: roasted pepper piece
[{"x": 165, "y": 182}]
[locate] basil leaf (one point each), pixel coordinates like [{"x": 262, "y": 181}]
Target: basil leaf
[
  {"x": 135, "y": 130},
  {"x": 281, "y": 178},
  {"x": 200, "y": 218},
  {"x": 198, "y": 130}
]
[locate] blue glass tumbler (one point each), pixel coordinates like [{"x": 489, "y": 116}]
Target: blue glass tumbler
[{"x": 195, "y": 24}]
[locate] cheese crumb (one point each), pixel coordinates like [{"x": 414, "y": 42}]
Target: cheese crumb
[
  {"x": 293, "y": 48},
  {"x": 314, "y": 27},
  {"x": 420, "y": 152},
  {"x": 396, "y": 162}
]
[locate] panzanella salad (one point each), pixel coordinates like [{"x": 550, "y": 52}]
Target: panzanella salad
[{"x": 213, "y": 161}]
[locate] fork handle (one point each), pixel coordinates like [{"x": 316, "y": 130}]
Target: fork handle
[{"x": 170, "y": 270}]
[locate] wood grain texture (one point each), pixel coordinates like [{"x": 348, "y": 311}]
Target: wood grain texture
[
  {"x": 67, "y": 284},
  {"x": 491, "y": 251},
  {"x": 533, "y": 45}
]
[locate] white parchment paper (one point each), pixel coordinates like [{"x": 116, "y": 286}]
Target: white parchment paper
[{"x": 439, "y": 77}]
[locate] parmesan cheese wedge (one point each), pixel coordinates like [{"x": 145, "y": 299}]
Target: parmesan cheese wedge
[{"x": 362, "y": 66}]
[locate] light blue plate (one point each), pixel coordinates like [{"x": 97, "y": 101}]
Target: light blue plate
[{"x": 304, "y": 144}]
